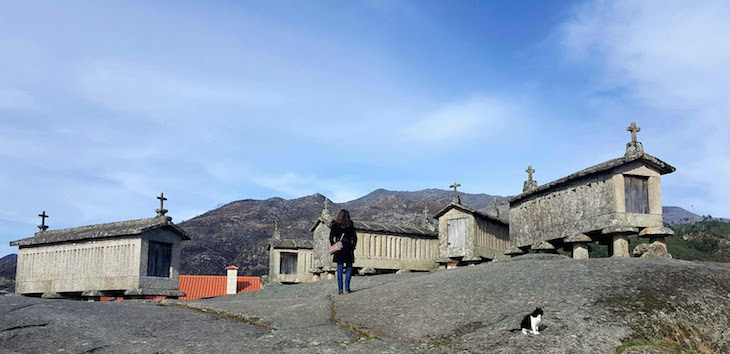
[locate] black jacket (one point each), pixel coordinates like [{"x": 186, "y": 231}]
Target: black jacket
[{"x": 349, "y": 242}]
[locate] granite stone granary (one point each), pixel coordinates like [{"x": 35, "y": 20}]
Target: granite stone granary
[
  {"x": 380, "y": 247},
  {"x": 606, "y": 203},
  {"x": 468, "y": 236},
  {"x": 128, "y": 258},
  {"x": 290, "y": 260}
]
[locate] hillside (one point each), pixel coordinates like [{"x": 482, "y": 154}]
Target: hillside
[
  {"x": 7, "y": 272},
  {"x": 590, "y": 306}
]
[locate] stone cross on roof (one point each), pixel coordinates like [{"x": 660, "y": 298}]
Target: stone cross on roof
[
  {"x": 43, "y": 225},
  {"x": 326, "y": 212},
  {"x": 530, "y": 184},
  {"x": 529, "y": 171},
  {"x": 455, "y": 185},
  {"x": 425, "y": 222},
  {"x": 277, "y": 235},
  {"x": 634, "y": 147},
  {"x": 162, "y": 210},
  {"x": 633, "y": 129},
  {"x": 455, "y": 198}
]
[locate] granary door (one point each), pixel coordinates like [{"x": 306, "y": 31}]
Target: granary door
[
  {"x": 288, "y": 263},
  {"x": 637, "y": 194},
  {"x": 457, "y": 232}
]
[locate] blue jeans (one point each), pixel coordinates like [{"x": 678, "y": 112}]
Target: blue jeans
[{"x": 348, "y": 275}]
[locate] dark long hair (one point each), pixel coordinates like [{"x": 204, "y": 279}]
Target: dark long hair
[{"x": 343, "y": 219}]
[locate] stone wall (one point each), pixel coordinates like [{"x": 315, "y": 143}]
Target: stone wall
[
  {"x": 102, "y": 264},
  {"x": 169, "y": 283},
  {"x": 491, "y": 240},
  {"x": 384, "y": 251},
  {"x": 585, "y": 206}
]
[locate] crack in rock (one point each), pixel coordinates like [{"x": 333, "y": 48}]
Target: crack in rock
[{"x": 24, "y": 326}]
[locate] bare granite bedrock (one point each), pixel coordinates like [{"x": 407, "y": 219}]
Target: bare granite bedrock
[{"x": 591, "y": 306}]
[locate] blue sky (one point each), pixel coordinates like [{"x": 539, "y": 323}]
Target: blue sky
[{"x": 106, "y": 104}]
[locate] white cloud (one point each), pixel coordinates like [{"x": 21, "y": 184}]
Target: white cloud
[
  {"x": 478, "y": 116},
  {"x": 145, "y": 88},
  {"x": 673, "y": 58}
]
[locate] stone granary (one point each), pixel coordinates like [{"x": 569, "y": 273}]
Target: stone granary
[
  {"x": 465, "y": 236},
  {"x": 469, "y": 236},
  {"x": 290, "y": 260},
  {"x": 380, "y": 247},
  {"x": 135, "y": 258},
  {"x": 606, "y": 203}
]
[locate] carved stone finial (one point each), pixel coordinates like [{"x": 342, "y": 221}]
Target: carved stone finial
[
  {"x": 455, "y": 199},
  {"x": 277, "y": 235},
  {"x": 326, "y": 212},
  {"x": 162, "y": 210},
  {"x": 425, "y": 223},
  {"x": 633, "y": 129},
  {"x": 43, "y": 225},
  {"x": 496, "y": 210},
  {"x": 529, "y": 171},
  {"x": 634, "y": 147},
  {"x": 530, "y": 184}
]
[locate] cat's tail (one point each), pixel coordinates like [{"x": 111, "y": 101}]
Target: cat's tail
[{"x": 515, "y": 329}]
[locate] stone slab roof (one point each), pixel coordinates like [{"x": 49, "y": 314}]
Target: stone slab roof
[
  {"x": 292, "y": 243},
  {"x": 371, "y": 226},
  {"x": 657, "y": 164},
  {"x": 112, "y": 229},
  {"x": 394, "y": 229},
  {"x": 474, "y": 212}
]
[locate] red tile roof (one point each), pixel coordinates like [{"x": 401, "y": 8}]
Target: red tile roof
[{"x": 205, "y": 286}]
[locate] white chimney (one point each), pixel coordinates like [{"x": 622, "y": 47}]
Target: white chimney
[{"x": 231, "y": 279}]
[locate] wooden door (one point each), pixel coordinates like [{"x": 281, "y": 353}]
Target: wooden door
[
  {"x": 158, "y": 259},
  {"x": 288, "y": 263},
  {"x": 637, "y": 194},
  {"x": 457, "y": 232}
]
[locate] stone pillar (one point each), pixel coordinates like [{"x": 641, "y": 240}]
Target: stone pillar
[
  {"x": 620, "y": 246},
  {"x": 580, "y": 245},
  {"x": 620, "y": 240},
  {"x": 231, "y": 280},
  {"x": 580, "y": 251}
]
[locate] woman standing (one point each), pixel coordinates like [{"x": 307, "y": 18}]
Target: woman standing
[{"x": 343, "y": 230}]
